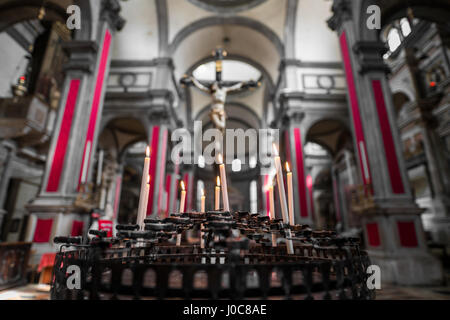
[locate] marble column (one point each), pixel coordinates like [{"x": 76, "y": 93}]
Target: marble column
[{"x": 392, "y": 226}]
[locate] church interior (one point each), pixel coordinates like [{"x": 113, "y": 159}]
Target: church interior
[{"x": 98, "y": 97}]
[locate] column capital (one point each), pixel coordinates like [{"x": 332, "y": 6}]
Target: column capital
[
  {"x": 293, "y": 116},
  {"x": 342, "y": 11},
  {"x": 159, "y": 115},
  {"x": 164, "y": 61},
  {"x": 110, "y": 11},
  {"x": 82, "y": 55},
  {"x": 370, "y": 56}
]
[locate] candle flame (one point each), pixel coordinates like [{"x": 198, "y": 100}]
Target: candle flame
[
  {"x": 288, "y": 169},
  {"x": 218, "y": 181},
  {"x": 220, "y": 158},
  {"x": 182, "y": 185},
  {"x": 147, "y": 152},
  {"x": 275, "y": 149}
]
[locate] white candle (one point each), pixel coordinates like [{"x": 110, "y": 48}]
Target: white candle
[
  {"x": 272, "y": 213},
  {"x": 143, "y": 198},
  {"x": 183, "y": 197},
  {"x": 181, "y": 210},
  {"x": 217, "y": 198},
  {"x": 290, "y": 194},
  {"x": 202, "y": 201},
  {"x": 223, "y": 179},
  {"x": 271, "y": 202},
  {"x": 202, "y": 209},
  {"x": 282, "y": 194}
]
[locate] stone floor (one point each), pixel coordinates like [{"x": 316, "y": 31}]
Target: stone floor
[
  {"x": 40, "y": 292},
  {"x": 390, "y": 292},
  {"x": 28, "y": 292}
]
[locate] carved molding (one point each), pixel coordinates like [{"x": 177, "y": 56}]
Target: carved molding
[
  {"x": 370, "y": 56},
  {"x": 110, "y": 11},
  {"x": 82, "y": 55},
  {"x": 342, "y": 11}
]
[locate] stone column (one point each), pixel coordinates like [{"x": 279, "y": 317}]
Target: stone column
[
  {"x": 159, "y": 138},
  {"x": 75, "y": 135},
  {"x": 392, "y": 226}
]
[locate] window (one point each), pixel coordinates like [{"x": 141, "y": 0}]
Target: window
[
  {"x": 233, "y": 71},
  {"x": 406, "y": 28},
  {"x": 395, "y": 33},
  {"x": 393, "y": 39}
]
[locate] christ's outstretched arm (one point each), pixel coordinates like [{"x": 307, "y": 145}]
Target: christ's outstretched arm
[
  {"x": 242, "y": 85},
  {"x": 199, "y": 85},
  {"x": 187, "y": 81}
]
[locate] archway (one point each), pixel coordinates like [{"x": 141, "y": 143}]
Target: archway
[
  {"x": 330, "y": 175},
  {"x": 122, "y": 145}
]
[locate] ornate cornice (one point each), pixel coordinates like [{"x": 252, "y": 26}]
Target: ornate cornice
[
  {"x": 160, "y": 61},
  {"x": 82, "y": 55},
  {"x": 342, "y": 11},
  {"x": 370, "y": 56},
  {"x": 110, "y": 11},
  {"x": 309, "y": 64}
]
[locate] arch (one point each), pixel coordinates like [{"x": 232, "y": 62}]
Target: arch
[
  {"x": 126, "y": 278},
  {"x": 108, "y": 118},
  {"x": 400, "y": 98},
  {"x": 220, "y": 20},
  {"x": 431, "y": 10},
  {"x": 328, "y": 133},
  {"x": 123, "y": 132},
  {"x": 149, "y": 278},
  {"x": 231, "y": 8},
  {"x": 343, "y": 120},
  {"x": 13, "y": 11},
  {"x": 175, "y": 279},
  {"x": 200, "y": 280},
  {"x": 253, "y": 63}
]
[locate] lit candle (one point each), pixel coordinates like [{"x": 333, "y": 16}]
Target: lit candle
[
  {"x": 223, "y": 179},
  {"x": 272, "y": 212},
  {"x": 181, "y": 210},
  {"x": 217, "y": 199},
  {"x": 143, "y": 199},
  {"x": 202, "y": 201},
  {"x": 290, "y": 194},
  {"x": 282, "y": 194},
  {"x": 183, "y": 197}
]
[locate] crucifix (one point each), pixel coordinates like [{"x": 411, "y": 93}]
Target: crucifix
[{"x": 218, "y": 90}]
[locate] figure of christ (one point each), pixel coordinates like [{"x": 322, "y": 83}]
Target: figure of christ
[{"x": 219, "y": 95}]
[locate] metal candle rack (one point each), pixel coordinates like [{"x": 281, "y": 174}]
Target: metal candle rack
[{"x": 238, "y": 261}]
